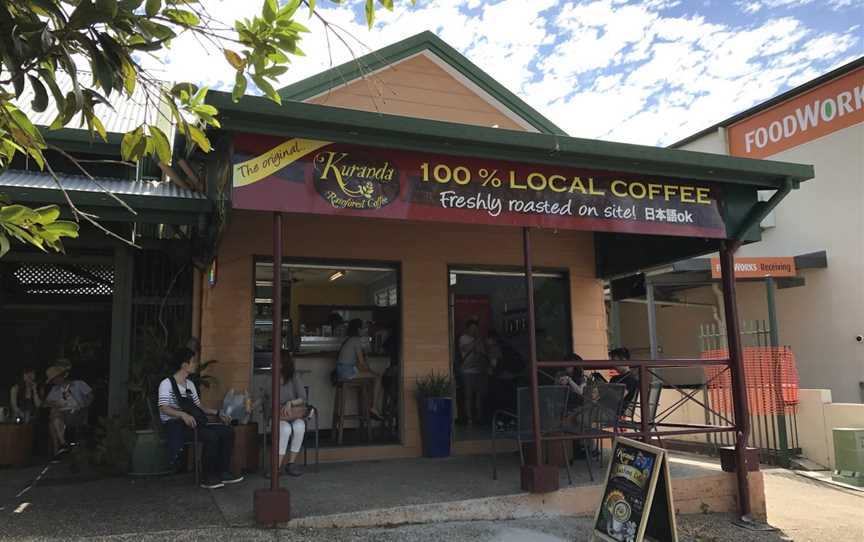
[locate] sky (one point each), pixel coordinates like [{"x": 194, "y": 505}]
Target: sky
[{"x": 650, "y": 72}]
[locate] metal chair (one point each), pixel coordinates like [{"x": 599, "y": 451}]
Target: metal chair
[
  {"x": 598, "y": 413},
  {"x": 519, "y": 426},
  {"x": 655, "y": 388},
  {"x": 311, "y": 414},
  {"x": 159, "y": 428}
]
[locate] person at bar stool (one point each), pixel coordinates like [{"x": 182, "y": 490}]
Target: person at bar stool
[
  {"x": 181, "y": 411},
  {"x": 351, "y": 364},
  {"x": 292, "y": 417}
]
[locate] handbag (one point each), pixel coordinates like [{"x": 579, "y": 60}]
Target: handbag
[
  {"x": 296, "y": 412},
  {"x": 187, "y": 405}
]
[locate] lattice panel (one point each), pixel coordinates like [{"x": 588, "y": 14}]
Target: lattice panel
[{"x": 53, "y": 279}]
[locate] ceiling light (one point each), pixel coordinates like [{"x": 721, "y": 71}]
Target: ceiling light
[{"x": 337, "y": 275}]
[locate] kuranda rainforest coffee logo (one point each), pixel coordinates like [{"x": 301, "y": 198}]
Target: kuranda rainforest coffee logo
[{"x": 351, "y": 180}]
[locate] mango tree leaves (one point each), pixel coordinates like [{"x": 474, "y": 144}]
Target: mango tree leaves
[
  {"x": 39, "y": 227},
  {"x": 107, "y": 38}
]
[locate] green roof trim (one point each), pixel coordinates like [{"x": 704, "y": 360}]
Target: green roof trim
[
  {"x": 424, "y": 41},
  {"x": 260, "y": 115}
]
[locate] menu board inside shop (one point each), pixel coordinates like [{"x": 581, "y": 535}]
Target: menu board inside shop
[
  {"x": 321, "y": 177},
  {"x": 637, "y": 496}
]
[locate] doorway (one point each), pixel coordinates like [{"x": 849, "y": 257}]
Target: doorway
[{"x": 494, "y": 303}]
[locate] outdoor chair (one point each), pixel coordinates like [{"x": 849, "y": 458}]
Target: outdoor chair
[
  {"x": 191, "y": 443},
  {"x": 629, "y": 421},
  {"x": 597, "y": 416},
  {"x": 311, "y": 418},
  {"x": 518, "y": 426}
]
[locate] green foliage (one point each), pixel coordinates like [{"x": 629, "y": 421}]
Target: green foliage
[
  {"x": 39, "y": 38},
  {"x": 433, "y": 386},
  {"x": 38, "y": 227},
  {"x": 114, "y": 441}
]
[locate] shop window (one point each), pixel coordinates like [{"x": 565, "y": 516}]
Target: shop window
[{"x": 320, "y": 302}]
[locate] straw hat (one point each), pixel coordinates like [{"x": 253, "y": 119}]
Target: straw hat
[{"x": 54, "y": 371}]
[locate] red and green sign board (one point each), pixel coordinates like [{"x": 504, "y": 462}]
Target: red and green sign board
[{"x": 320, "y": 177}]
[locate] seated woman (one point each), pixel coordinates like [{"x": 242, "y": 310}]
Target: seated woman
[
  {"x": 68, "y": 400},
  {"x": 351, "y": 365},
  {"x": 574, "y": 378},
  {"x": 292, "y": 422},
  {"x": 24, "y": 397}
]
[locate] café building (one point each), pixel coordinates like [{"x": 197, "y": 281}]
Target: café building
[{"x": 413, "y": 192}]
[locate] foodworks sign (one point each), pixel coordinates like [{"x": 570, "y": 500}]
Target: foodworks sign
[{"x": 813, "y": 114}]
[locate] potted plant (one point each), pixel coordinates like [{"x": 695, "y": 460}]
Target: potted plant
[{"x": 435, "y": 406}]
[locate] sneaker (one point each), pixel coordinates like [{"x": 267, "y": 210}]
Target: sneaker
[
  {"x": 212, "y": 484},
  {"x": 293, "y": 470},
  {"x": 228, "y": 478}
]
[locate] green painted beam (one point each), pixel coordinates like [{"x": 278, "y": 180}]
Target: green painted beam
[{"x": 260, "y": 115}]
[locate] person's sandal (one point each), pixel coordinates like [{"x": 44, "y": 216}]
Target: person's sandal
[{"x": 293, "y": 470}]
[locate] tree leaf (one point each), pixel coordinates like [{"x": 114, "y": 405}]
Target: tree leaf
[
  {"x": 40, "y": 95},
  {"x": 47, "y": 214},
  {"x": 4, "y": 244},
  {"x": 160, "y": 144},
  {"x": 130, "y": 143},
  {"x": 370, "y": 13},
  {"x": 388, "y": 4},
  {"x": 267, "y": 89},
  {"x": 234, "y": 59},
  {"x": 182, "y": 17},
  {"x": 311, "y": 7},
  {"x": 270, "y": 9},
  {"x": 239, "y": 87},
  {"x": 100, "y": 128},
  {"x": 152, "y": 7},
  {"x": 108, "y": 7},
  {"x": 200, "y": 138},
  {"x": 287, "y": 11}
]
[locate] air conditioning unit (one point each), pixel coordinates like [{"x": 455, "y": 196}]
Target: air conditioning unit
[{"x": 849, "y": 456}]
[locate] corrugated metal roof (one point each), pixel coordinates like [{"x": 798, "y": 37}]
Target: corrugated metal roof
[
  {"x": 127, "y": 113},
  {"x": 79, "y": 183}
]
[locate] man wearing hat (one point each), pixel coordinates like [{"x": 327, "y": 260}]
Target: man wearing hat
[{"x": 68, "y": 401}]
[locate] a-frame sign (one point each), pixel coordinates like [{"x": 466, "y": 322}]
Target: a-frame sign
[{"x": 637, "y": 496}]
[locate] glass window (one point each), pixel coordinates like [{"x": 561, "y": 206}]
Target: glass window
[{"x": 324, "y": 305}]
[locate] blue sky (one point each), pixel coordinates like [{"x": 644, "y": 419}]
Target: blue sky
[{"x": 649, "y": 72}]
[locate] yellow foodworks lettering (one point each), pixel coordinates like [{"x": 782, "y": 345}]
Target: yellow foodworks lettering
[{"x": 279, "y": 157}]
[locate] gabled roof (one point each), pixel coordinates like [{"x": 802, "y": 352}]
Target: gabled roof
[{"x": 424, "y": 42}]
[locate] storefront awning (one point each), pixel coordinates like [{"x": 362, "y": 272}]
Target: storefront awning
[{"x": 734, "y": 182}]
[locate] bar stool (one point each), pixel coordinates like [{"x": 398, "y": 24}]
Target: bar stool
[{"x": 362, "y": 414}]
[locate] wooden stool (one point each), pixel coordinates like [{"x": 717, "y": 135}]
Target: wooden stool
[{"x": 362, "y": 415}]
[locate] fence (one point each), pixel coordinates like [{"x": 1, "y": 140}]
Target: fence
[{"x": 772, "y": 391}]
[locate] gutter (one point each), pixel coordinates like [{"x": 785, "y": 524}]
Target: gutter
[{"x": 760, "y": 211}]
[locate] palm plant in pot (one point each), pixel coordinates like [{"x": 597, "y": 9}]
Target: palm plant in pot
[{"x": 435, "y": 405}]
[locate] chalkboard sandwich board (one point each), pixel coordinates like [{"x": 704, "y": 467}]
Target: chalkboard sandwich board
[{"x": 637, "y": 496}]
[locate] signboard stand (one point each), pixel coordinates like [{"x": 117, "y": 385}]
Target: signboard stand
[{"x": 637, "y": 496}]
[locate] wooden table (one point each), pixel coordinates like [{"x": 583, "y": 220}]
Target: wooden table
[
  {"x": 244, "y": 458},
  {"x": 16, "y": 443}
]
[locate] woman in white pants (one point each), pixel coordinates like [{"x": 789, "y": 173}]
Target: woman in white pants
[{"x": 292, "y": 424}]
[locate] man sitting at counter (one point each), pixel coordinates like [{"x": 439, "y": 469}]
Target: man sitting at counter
[{"x": 351, "y": 364}]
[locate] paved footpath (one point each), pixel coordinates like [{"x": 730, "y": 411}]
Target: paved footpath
[{"x": 116, "y": 510}]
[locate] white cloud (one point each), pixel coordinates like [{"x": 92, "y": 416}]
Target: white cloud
[{"x": 637, "y": 71}]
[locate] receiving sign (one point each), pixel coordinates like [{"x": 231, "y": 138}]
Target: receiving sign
[
  {"x": 637, "y": 496},
  {"x": 753, "y": 268},
  {"x": 321, "y": 177}
]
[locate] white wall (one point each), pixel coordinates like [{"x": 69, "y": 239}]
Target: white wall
[{"x": 821, "y": 320}]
